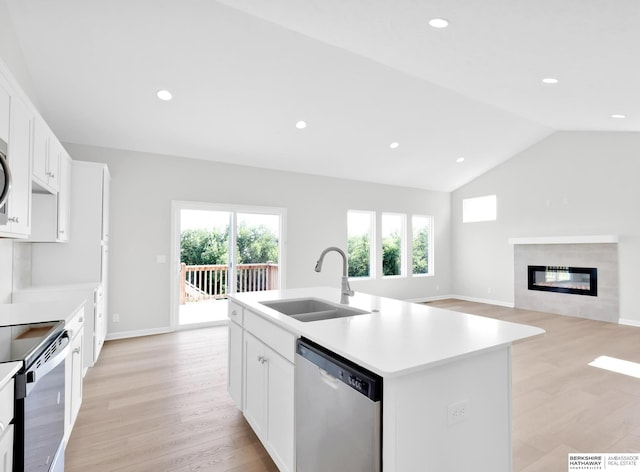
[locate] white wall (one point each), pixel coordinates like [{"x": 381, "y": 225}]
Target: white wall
[
  {"x": 143, "y": 186},
  {"x": 572, "y": 183}
]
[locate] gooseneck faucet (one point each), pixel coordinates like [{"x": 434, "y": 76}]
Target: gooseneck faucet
[{"x": 345, "y": 288}]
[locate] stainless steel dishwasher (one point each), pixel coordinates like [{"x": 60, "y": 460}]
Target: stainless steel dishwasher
[{"x": 338, "y": 413}]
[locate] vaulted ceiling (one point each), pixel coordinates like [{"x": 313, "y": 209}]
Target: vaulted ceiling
[{"x": 361, "y": 74}]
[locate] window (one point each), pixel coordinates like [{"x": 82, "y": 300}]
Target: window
[
  {"x": 360, "y": 225},
  {"x": 421, "y": 245},
  {"x": 393, "y": 236},
  {"x": 479, "y": 209}
]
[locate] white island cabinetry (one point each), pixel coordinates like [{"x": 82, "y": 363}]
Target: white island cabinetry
[
  {"x": 73, "y": 372},
  {"x": 264, "y": 370},
  {"x": 446, "y": 376}
]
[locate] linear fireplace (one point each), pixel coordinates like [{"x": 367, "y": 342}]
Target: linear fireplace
[{"x": 576, "y": 280}]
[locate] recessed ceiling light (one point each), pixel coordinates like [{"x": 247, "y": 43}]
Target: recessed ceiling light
[
  {"x": 301, "y": 124},
  {"x": 394, "y": 145},
  {"x": 438, "y": 23},
  {"x": 618, "y": 116},
  {"x": 164, "y": 95},
  {"x": 550, "y": 80},
  {"x": 459, "y": 160}
]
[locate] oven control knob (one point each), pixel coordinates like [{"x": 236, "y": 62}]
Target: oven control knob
[{"x": 31, "y": 376}]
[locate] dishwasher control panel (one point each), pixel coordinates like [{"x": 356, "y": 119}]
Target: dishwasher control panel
[{"x": 349, "y": 373}]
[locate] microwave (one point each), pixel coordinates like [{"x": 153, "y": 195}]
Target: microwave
[{"x": 5, "y": 182}]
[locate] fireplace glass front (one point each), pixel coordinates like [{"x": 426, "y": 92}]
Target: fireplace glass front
[{"x": 576, "y": 280}]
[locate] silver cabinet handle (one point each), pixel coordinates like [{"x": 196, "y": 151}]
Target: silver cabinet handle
[
  {"x": 81, "y": 320},
  {"x": 76, "y": 350},
  {"x": 14, "y": 219},
  {"x": 260, "y": 359}
]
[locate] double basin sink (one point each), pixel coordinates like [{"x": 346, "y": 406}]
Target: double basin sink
[{"x": 312, "y": 309}]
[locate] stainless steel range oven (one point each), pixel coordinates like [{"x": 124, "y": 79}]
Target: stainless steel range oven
[{"x": 39, "y": 393}]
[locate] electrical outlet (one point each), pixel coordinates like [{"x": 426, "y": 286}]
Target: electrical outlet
[
  {"x": 457, "y": 412},
  {"x": 116, "y": 317}
]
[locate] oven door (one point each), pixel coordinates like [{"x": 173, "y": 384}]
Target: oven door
[
  {"x": 5, "y": 182},
  {"x": 40, "y": 429}
]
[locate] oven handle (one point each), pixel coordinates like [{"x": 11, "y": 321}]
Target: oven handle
[{"x": 35, "y": 374}]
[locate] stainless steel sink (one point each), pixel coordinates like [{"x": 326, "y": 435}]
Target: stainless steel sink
[{"x": 312, "y": 309}]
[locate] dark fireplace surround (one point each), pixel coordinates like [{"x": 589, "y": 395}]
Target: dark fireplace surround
[{"x": 575, "y": 280}]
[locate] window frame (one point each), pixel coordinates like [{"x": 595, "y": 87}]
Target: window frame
[{"x": 372, "y": 244}]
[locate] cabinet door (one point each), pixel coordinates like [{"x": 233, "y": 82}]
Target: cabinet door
[
  {"x": 19, "y": 158},
  {"x": 5, "y": 105},
  {"x": 40, "y": 150},
  {"x": 280, "y": 409},
  {"x": 6, "y": 449},
  {"x": 100, "y": 324},
  {"x": 76, "y": 377},
  {"x": 254, "y": 384},
  {"x": 64, "y": 199},
  {"x": 234, "y": 372}
]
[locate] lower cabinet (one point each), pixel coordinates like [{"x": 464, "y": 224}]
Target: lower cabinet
[
  {"x": 6, "y": 428},
  {"x": 269, "y": 405},
  {"x": 261, "y": 381},
  {"x": 73, "y": 373},
  {"x": 234, "y": 386},
  {"x": 6, "y": 449}
]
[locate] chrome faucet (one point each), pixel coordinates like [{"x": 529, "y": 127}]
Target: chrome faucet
[{"x": 345, "y": 288}]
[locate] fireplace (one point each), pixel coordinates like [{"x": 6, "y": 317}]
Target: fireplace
[{"x": 576, "y": 280}]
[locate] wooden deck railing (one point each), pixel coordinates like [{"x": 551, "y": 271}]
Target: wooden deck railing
[{"x": 204, "y": 282}]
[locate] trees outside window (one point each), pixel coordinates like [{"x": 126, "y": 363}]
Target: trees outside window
[
  {"x": 392, "y": 244},
  {"x": 421, "y": 228},
  {"x": 360, "y": 226}
]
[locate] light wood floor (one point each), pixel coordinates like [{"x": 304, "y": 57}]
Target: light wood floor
[{"x": 159, "y": 403}]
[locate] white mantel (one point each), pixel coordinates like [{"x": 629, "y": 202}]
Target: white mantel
[{"x": 597, "y": 239}]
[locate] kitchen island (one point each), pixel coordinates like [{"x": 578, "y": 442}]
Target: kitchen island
[{"x": 446, "y": 376}]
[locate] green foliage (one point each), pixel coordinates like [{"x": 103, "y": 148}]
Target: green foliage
[
  {"x": 256, "y": 245},
  {"x": 391, "y": 257},
  {"x": 421, "y": 252},
  {"x": 359, "y": 250},
  {"x": 204, "y": 247}
]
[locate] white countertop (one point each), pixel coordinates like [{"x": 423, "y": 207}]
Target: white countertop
[
  {"x": 397, "y": 337},
  {"x": 19, "y": 313},
  {"x": 61, "y": 288},
  {"x": 8, "y": 370}
]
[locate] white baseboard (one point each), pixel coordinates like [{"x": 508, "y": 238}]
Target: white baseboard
[
  {"x": 429, "y": 299},
  {"x": 135, "y": 334},
  {"x": 628, "y": 322}
]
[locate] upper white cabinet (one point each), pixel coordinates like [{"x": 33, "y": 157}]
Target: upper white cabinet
[
  {"x": 19, "y": 150},
  {"x": 51, "y": 212},
  {"x": 5, "y": 107},
  {"x": 47, "y": 152}
]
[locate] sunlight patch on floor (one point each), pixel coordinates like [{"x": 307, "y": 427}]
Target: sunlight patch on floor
[{"x": 619, "y": 366}]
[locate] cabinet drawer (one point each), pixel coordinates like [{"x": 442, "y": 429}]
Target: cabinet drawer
[
  {"x": 76, "y": 324},
  {"x": 236, "y": 313},
  {"x": 6, "y": 405},
  {"x": 281, "y": 341}
]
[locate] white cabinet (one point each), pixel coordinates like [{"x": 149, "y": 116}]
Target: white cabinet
[
  {"x": 266, "y": 371},
  {"x": 83, "y": 258},
  {"x": 6, "y": 429},
  {"x": 19, "y": 159},
  {"x": 234, "y": 379},
  {"x": 51, "y": 212},
  {"x": 5, "y": 107},
  {"x": 73, "y": 372},
  {"x": 46, "y": 158}
]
